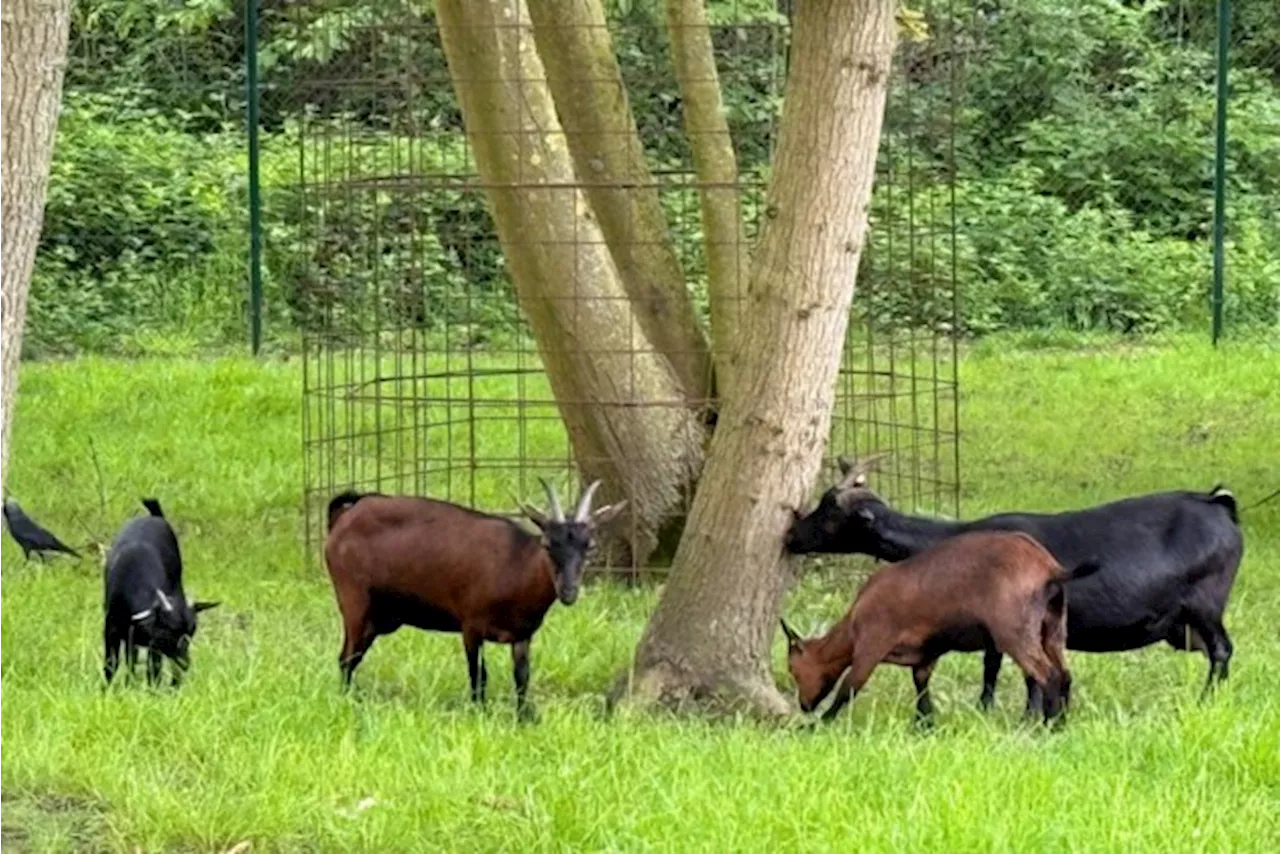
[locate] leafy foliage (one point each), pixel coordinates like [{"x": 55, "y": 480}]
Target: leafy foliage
[{"x": 1083, "y": 154}]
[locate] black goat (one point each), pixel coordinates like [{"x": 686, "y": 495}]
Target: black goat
[
  {"x": 1168, "y": 562},
  {"x": 144, "y": 602},
  {"x": 30, "y": 536}
]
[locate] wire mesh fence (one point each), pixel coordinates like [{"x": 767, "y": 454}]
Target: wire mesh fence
[
  {"x": 442, "y": 354},
  {"x": 1087, "y": 167},
  {"x": 1047, "y": 169}
]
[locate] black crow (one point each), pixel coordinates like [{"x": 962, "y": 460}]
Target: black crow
[{"x": 30, "y": 536}]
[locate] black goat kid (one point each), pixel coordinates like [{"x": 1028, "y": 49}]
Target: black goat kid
[{"x": 144, "y": 602}]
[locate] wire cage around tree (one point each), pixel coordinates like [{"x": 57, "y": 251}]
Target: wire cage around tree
[{"x": 421, "y": 372}]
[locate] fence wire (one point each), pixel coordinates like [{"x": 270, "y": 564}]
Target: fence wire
[
  {"x": 1047, "y": 171},
  {"x": 424, "y": 372}
]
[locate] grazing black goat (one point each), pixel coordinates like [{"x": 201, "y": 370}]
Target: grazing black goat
[
  {"x": 1168, "y": 562},
  {"x": 30, "y": 536},
  {"x": 995, "y": 589},
  {"x": 144, "y": 601},
  {"x": 399, "y": 560}
]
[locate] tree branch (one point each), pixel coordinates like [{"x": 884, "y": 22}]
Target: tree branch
[
  {"x": 614, "y": 388},
  {"x": 716, "y": 165},
  {"x": 600, "y": 128}
]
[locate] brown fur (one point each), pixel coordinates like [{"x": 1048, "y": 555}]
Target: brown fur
[
  {"x": 404, "y": 561},
  {"x": 479, "y": 575},
  {"x": 967, "y": 593}
]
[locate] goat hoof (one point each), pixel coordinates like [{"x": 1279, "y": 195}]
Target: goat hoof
[{"x": 527, "y": 715}]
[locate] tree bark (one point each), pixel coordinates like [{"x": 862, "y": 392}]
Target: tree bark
[
  {"x": 34, "y": 36},
  {"x": 711, "y": 632},
  {"x": 622, "y": 401},
  {"x": 716, "y": 166},
  {"x": 586, "y": 84}
]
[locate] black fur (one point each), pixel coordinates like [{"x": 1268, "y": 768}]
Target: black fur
[
  {"x": 1166, "y": 562},
  {"x": 144, "y": 604}
]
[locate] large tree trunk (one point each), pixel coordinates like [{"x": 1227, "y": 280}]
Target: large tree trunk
[
  {"x": 34, "y": 35},
  {"x": 620, "y": 397},
  {"x": 711, "y": 632},
  {"x": 585, "y": 81},
  {"x": 716, "y": 165}
]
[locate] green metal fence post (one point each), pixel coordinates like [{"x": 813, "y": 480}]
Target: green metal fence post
[
  {"x": 1220, "y": 167},
  {"x": 255, "y": 190}
]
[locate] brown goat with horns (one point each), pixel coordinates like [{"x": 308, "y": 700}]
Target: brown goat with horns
[
  {"x": 965, "y": 594},
  {"x": 397, "y": 561}
]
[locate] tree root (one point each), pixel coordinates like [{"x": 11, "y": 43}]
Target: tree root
[{"x": 664, "y": 686}]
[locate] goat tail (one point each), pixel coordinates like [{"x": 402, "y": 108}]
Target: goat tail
[
  {"x": 1055, "y": 598},
  {"x": 1083, "y": 569},
  {"x": 1222, "y": 496},
  {"x": 342, "y": 502},
  {"x": 153, "y": 506}
]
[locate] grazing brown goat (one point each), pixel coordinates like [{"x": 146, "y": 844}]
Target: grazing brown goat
[
  {"x": 971, "y": 591},
  {"x": 405, "y": 561}
]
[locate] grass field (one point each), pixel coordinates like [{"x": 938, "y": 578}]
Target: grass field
[{"x": 260, "y": 745}]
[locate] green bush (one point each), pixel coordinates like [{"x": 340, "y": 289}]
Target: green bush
[
  {"x": 143, "y": 230},
  {"x": 1026, "y": 260},
  {"x": 1083, "y": 150}
]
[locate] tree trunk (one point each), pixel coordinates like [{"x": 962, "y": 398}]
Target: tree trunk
[
  {"x": 34, "y": 35},
  {"x": 621, "y": 400},
  {"x": 716, "y": 165},
  {"x": 710, "y": 634},
  {"x": 585, "y": 81}
]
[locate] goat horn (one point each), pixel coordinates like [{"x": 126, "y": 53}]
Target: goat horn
[
  {"x": 792, "y": 637},
  {"x": 532, "y": 512},
  {"x": 855, "y": 471},
  {"x": 557, "y": 515},
  {"x": 164, "y": 600},
  {"x": 584, "y": 503}
]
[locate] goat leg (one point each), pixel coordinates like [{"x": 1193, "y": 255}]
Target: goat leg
[
  {"x": 1035, "y": 698},
  {"x": 130, "y": 656},
  {"x": 924, "y": 703},
  {"x": 474, "y": 644},
  {"x": 520, "y": 669},
  {"x": 991, "y": 661},
  {"x": 111, "y": 655},
  {"x": 155, "y": 662}
]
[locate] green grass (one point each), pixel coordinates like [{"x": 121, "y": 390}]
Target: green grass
[{"x": 260, "y": 745}]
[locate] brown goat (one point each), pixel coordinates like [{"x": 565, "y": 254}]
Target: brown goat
[
  {"x": 437, "y": 566},
  {"x": 975, "y": 591}
]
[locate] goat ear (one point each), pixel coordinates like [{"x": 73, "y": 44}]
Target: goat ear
[
  {"x": 203, "y": 606},
  {"x": 793, "y": 639},
  {"x": 535, "y": 516},
  {"x": 608, "y": 513}
]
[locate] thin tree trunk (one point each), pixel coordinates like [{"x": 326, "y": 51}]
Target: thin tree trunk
[
  {"x": 712, "y": 629},
  {"x": 621, "y": 400},
  {"x": 716, "y": 165},
  {"x": 585, "y": 82},
  {"x": 34, "y": 36}
]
